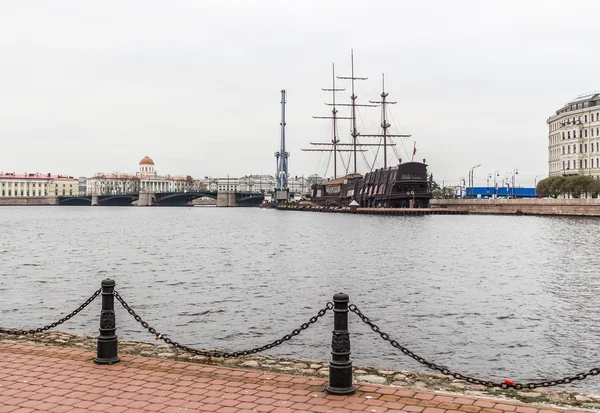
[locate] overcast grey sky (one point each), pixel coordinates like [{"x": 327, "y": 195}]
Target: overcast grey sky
[{"x": 95, "y": 86}]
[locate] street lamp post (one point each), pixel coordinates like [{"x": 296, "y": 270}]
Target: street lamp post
[
  {"x": 515, "y": 172},
  {"x": 471, "y": 179},
  {"x": 496, "y": 173},
  {"x": 488, "y": 184},
  {"x": 461, "y": 183}
]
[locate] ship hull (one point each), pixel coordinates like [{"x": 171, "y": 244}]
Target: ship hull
[{"x": 401, "y": 186}]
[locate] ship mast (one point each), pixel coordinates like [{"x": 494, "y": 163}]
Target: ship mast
[
  {"x": 384, "y": 123},
  {"x": 354, "y": 133},
  {"x": 334, "y": 111},
  {"x": 335, "y": 142}
]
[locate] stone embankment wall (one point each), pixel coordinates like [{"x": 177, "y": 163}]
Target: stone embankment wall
[
  {"x": 28, "y": 200},
  {"x": 546, "y": 206}
]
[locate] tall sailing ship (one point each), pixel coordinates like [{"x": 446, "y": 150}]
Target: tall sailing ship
[{"x": 403, "y": 185}]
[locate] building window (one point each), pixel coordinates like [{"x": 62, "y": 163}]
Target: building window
[
  {"x": 586, "y": 133},
  {"x": 563, "y": 136},
  {"x": 569, "y": 149},
  {"x": 585, "y": 148},
  {"x": 580, "y": 164},
  {"x": 585, "y": 118},
  {"x": 569, "y": 135},
  {"x": 585, "y": 163}
]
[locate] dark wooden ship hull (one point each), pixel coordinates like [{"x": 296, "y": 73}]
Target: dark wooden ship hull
[{"x": 401, "y": 186}]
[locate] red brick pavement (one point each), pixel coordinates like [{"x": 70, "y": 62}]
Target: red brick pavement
[{"x": 56, "y": 379}]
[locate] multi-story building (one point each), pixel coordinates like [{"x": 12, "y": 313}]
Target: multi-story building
[
  {"x": 112, "y": 184},
  {"x": 299, "y": 185},
  {"x": 248, "y": 183},
  {"x": 314, "y": 179},
  {"x": 63, "y": 185},
  {"x": 145, "y": 179},
  {"x": 574, "y": 137},
  {"x": 82, "y": 182},
  {"x": 21, "y": 185}
]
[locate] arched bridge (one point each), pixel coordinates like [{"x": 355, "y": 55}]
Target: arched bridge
[
  {"x": 243, "y": 199},
  {"x": 105, "y": 200}
]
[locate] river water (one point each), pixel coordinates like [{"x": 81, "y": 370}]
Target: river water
[{"x": 491, "y": 296}]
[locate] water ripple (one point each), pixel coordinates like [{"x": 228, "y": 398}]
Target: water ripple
[{"x": 488, "y": 296}]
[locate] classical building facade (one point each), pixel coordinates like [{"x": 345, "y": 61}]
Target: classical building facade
[
  {"x": 63, "y": 185},
  {"x": 145, "y": 179},
  {"x": 574, "y": 137},
  {"x": 21, "y": 185},
  {"x": 248, "y": 183},
  {"x": 34, "y": 185}
]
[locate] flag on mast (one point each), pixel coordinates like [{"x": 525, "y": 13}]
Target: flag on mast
[{"x": 414, "y": 149}]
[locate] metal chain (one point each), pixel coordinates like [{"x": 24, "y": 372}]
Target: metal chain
[
  {"x": 224, "y": 354},
  {"x": 50, "y": 326},
  {"x": 504, "y": 385}
]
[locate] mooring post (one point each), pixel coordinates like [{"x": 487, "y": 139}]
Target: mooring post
[
  {"x": 107, "y": 340},
  {"x": 340, "y": 365}
]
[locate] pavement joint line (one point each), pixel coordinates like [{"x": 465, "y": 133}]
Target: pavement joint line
[{"x": 176, "y": 376}]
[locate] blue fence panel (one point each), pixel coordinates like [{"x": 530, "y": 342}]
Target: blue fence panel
[{"x": 502, "y": 192}]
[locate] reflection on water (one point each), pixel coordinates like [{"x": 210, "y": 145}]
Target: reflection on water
[{"x": 497, "y": 297}]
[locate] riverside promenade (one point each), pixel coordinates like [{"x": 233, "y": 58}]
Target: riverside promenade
[{"x": 37, "y": 378}]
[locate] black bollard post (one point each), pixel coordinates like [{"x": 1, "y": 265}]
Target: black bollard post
[
  {"x": 340, "y": 366},
  {"x": 107, "y": 340}
]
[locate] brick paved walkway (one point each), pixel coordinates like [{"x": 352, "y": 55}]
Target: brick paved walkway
[{"x": 54, "y": 379}]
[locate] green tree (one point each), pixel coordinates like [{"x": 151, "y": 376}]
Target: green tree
[
  {"x": 432, "y": 184},
  {"x": 543, "y": 187},
  {"x": 556, "y": 186},
  {"x": 595, "y": 188},
  {"x": 575, "y": 186},
  {"x": 444, "y": 193}
]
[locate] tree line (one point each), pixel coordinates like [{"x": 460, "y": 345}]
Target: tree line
[{"x": 575, "y": 186}]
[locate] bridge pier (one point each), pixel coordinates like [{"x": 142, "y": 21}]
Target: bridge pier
[
  {"x": 227, "y": 199},
  {"x": 95, "y": 200},
  {"x": 147, "y": 199}
]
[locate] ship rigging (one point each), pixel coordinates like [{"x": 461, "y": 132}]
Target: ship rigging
[{"x": 338, "y": 149}]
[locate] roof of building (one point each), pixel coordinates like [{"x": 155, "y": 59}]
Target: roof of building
[
  {"x": 586, "y": 96},
  {"x": 146, "y": 160},
  {"x": 113, "y": 176},
  {"x": 178, "y": 178},
  {"x": 341, "y": 180},
  {"x": 29, "y": 176}
]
